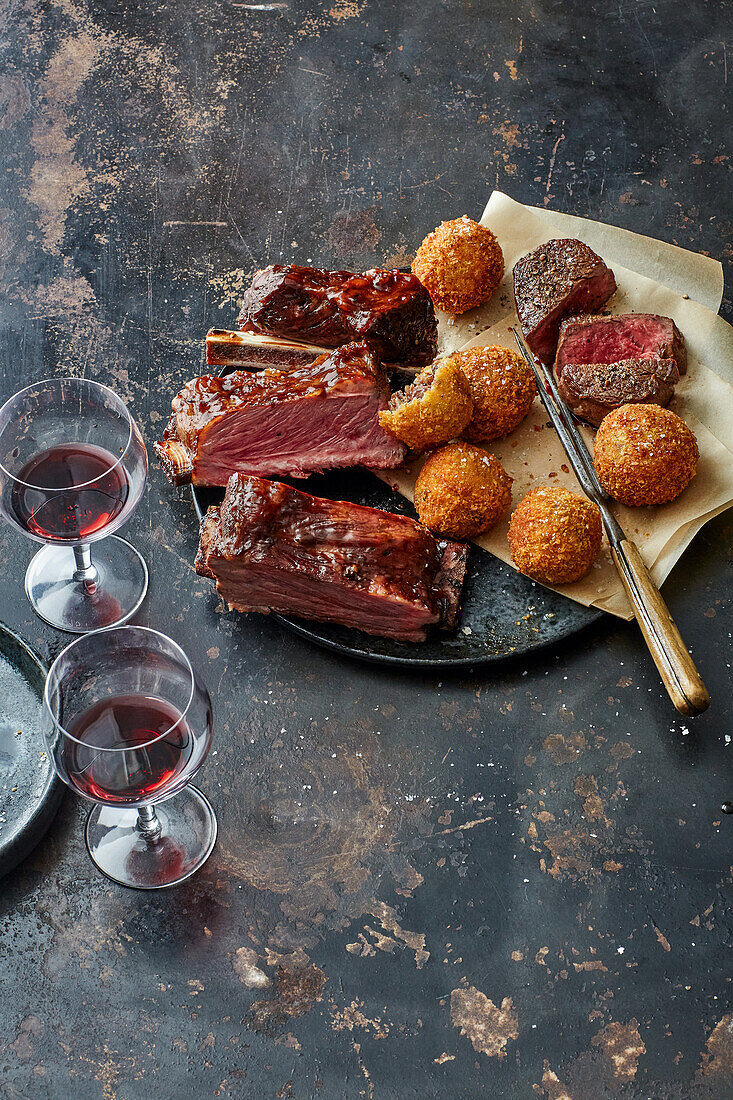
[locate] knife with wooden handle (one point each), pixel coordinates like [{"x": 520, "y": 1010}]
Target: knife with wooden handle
[{"x": 676, "y": 667}]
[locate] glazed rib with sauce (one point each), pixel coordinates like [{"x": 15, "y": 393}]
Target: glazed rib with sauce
[
  {"x": 270, "y": 547},
  {"x": 279, "y": 423},
  {"x": 391, "y": 310}
]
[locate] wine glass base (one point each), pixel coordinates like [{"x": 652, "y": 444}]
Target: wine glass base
[
  {"x": 121, "y": 852},
  {"x": 65, "y": 603}
]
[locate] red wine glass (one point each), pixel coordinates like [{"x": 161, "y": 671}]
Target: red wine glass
[
  {"x": 72, "y": 470},
  {"x": 131, "y": 724}
]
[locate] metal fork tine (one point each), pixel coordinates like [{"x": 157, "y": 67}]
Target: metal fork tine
[
  {"x": 680, "y": 677},
  {"x": 571, "y": 439},
  {"x": 562, "y": 419}
]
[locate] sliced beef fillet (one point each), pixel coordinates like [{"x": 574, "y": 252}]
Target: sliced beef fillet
[
  {"x": 270, "y": 547},
  {"x": 278, "y": 423},
  {"x": 592, "y": 390},
  {"x": 592, "y": 339},
  {"x": 392, "y": 310},
  {"x": 560, "y": 277},
  {"x": 250, "y": 351}
]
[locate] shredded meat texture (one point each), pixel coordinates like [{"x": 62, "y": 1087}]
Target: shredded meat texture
[
  {"x": 278, "y": 423},
  {"x": 273, "y": 548},
  {"x": 502, "y": 386},
  {"x": 645, "y": 455},
  {"x": 433, "y": 409},
  {"x": 462, "y": 491},
  {"x": 391, "y": 310},
  {"x": 556, "y": 279},
  {"x": 555, "y": 535},
  {"x": 460, "y": 263}
]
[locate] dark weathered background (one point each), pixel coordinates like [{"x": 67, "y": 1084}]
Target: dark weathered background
[{"x": 508, "y": 884}]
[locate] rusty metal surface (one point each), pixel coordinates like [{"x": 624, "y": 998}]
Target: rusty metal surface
[{"x": 509, "y": 883}]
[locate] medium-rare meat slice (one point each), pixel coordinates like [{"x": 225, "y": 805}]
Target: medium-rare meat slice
[
  {"x": 592, "y": 390},
  {"x": 270, "y": 547},
  {"x": 250, "y": 351},
  {"x": 560, "y": 277},
  {"x": 592, "y": 339},
  {"x": 392, "y": 310},
  {"x": 277, "y": 423}
]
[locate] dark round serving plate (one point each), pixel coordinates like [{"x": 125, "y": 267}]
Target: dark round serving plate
[
  {"x": 30, "y": 790},
  {"x": 503, "y": 613}
]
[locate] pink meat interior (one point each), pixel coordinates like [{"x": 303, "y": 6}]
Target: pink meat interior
[{"x": 295, "y": 438}]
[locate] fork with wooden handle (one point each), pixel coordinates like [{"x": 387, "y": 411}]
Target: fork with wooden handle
[{"x": 676, "y": 667}]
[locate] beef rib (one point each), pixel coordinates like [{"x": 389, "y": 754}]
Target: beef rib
[
  {"x": 391, "y": 310},
  {"x": 270, "y": 547},
  {"x": 278, "y": 423},
  {"x": 250, "y": 351}
]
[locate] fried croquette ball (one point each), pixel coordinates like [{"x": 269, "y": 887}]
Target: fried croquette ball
[
  {"x": 554, "y": 535},
  {"x": 460, "y": 264},
  {"x": 434, "y": 408},
  {"x": 461, "y": 491},
  {"x": 644, "y": 455},
  {"x": 503, "y": 389}
]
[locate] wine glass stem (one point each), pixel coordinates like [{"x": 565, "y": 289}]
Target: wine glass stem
[
  {"x": 85, "y": 572},
  {"x": 148, "y": 823}
]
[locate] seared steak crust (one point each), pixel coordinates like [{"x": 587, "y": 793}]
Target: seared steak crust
[
  {"x": 560, "y": 277},
  {"x": 592, "y": 390}
]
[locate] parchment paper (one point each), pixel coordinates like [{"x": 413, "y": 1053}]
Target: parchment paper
[
  {"x": 678, "y": 268},
  {"x": 533, "y": 455}
]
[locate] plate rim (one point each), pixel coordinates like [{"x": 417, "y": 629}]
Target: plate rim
[
  {"x": 432, "y": 662},
  {"x": 22, "y": 842}
]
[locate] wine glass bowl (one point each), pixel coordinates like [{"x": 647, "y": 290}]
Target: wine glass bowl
[
  {"x": 72, "y": 470},
  {"x": 130, "y": 725}
]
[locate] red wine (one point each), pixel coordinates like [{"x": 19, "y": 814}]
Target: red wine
[
  {"x": 68, "y": 514},
  {"x": 141, "y": 767}
]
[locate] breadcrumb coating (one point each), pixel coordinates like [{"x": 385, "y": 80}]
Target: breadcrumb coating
[
  {"x": 644, "y": 455},
  {"x": 502, "y": 386},
  {"x": 462, "y": 491},
  {"x": 460, "y": 264},
  {"x": 433, "y": 409},
  {"x": 555, "y": 535}
]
